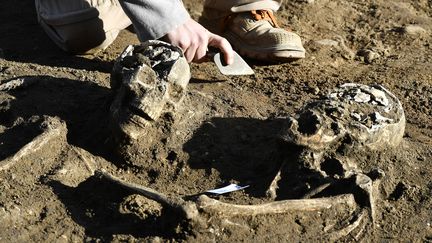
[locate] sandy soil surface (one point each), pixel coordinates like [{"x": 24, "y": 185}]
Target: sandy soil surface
[{"x": 226, "y": 131}]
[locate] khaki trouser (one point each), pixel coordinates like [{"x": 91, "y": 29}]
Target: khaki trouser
[
  {"x": 240, "y": 5},
  {"x": 81, "y": 26},
  {"x": 86, "y": 26}
]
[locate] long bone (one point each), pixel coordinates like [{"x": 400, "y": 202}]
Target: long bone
[
  {"x": 215, "y": 206},
  {"x": 190, "y": 209},
  {"x": 53, "y": 128}
]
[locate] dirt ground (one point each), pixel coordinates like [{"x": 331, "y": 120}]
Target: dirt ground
[{"x": 226, "y": 131}]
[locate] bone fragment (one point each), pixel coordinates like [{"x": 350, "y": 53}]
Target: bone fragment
[
  {"x": 214, "y": 206},
  {"x": 347, "y": 230},
  {"x": 366, "y": 184},
  {"x": 54, "y": 129},
  {"x": 317, "y": 190},
  {"x": 16, "y": 83},
  {"x": 89, "y": 162},
  {"x": 271, "y": 191}
]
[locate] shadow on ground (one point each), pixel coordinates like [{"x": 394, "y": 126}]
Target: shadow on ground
[
  {"x": 82, "y": 105},
  {"x": 94, "y": 204},
  {"x": 249, "y": 151}
]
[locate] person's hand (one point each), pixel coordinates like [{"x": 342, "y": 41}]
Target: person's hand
[{"x": 194, "y": 39}]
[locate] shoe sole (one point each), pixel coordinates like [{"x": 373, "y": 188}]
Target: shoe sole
[{"x": 270, "y": 54}]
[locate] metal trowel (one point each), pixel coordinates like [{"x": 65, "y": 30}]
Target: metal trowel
[{"x": 238, "y": 67}]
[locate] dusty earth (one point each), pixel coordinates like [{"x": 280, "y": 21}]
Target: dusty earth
[{"x": 225, "y": 132}]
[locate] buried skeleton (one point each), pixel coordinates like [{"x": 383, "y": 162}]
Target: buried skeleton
[
  {"x": 352, "y": 118},
  {"x": 150, "y": 81}
]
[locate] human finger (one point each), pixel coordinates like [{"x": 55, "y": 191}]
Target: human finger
[
  {"x": 190, "y": 52},
  {"x": 201, "y": 51},
  {"x": 223, "y": 45}
]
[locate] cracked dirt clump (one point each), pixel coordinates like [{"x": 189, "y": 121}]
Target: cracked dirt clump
[{"x": 140, "y": 206}]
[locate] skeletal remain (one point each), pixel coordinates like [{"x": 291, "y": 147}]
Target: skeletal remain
[
  {"x": 16, "y": 83},
  {"x": 75, "y": 166},
  {"x": 52, "y": 128},
  {"x": 214, "y": 206},
  {"x": 188, "y": 209},
  {"x": 271, "y": 191},
  {"x": 149, "y": 79},
  {"x": 326, "y": 122},
  {"x": 337, "y": 234},
  {"x": 191, "y": 209},
  {"x": 317, "y": 190},
  {"x": 352, "y": 118}
]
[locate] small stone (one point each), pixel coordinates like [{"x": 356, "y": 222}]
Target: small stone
[
  {"x": 327, "y": 42},
  {"x": 62, "y": 238},
  {"x": 368, "y": 55}
]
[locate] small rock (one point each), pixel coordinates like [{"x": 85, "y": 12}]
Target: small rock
[
  {"x": 413, "y": 29},
  {"x": 327, "y": 42},
  {"x": 155, "y": 239},
  {"x": 62, "y": 238},
  {"x": 368, "y": 55}
]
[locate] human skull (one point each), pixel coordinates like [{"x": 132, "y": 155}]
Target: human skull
[
  {"x": 352, "y": 117},
  {"x": 149, "y": 79}
]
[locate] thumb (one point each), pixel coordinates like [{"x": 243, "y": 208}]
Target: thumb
[{"x": 223, "y": 45}]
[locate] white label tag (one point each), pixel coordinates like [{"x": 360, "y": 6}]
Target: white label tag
[{"x": 226, "y": 189}]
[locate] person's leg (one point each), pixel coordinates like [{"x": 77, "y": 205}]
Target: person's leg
[
  {"x": 250, "y": 26},
  {"x": 81, "y": 26}
]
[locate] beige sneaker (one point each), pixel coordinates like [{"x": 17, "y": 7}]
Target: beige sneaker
[{"x": 254, "y": 33}]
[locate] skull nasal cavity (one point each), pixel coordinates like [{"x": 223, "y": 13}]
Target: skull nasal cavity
[{"x": 308, "y": 123}]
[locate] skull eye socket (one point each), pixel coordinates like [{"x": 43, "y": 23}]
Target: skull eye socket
[
  {"x": 308, "y": 123},
  {"x": 332, "y": 166}
]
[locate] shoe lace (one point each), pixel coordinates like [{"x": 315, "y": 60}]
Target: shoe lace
[{"x": 265, "y": 15}]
